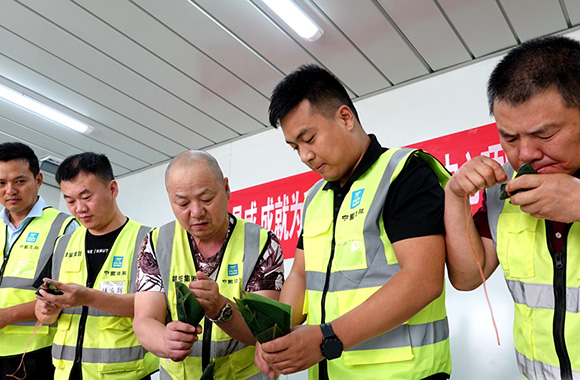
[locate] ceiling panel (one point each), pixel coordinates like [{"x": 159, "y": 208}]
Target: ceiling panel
[
  {"x": 379, "y": 41},
  {"x": 149, "y": 34},
  {"x": 70, "y": 38},
  {"x": 24, "y": 125},
  {"x": 573, "y": 9},
  {"x": 480, "y": 24},
  {"x": 264, "y": 38},
  {"x": 154, "y": 78},
  {"x": 426, "y": 27},
  {"x": 64, "y": 84},
  {"x": 241, "y": 77},
  {"x": 337, "y": 53},
  {"x": 534, "y": 18}
]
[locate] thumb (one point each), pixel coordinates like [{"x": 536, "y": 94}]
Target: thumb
[{"x": 200, "y": 276}]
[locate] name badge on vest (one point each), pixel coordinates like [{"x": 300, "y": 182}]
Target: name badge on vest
[{"x": 113, "y": 287}]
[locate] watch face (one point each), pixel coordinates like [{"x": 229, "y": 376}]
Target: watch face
[
  {"x": 331, "y": 348},
  {"x": 227, "y": 313}
]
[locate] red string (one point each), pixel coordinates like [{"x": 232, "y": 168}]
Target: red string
[
  {"x": 36, "y": 328},
  {"x": 468, "y": 214}
]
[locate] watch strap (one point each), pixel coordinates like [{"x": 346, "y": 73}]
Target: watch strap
[
  {"x": 222, "y": 315},
  {"x": 327, "y": 331}
]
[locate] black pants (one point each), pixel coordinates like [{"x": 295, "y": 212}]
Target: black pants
[{"x": 38, "y": 365}]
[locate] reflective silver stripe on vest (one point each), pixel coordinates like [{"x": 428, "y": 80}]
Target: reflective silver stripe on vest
[
  {"x": 495, "y": 205},
  {"x": 251, "y": 251},
  {"x": 537, "y": 370},
  {"x": 541, "y": 296},
  {"x": 44, "y": 256},
  {"x": 419, "y": 335},
  {"x": 164, "y": 251},
  {"x": 59, "y": 254},
  {"x": 101, "y": 355},
  {"x": 311, "y": 193},
  {"x": 163, "y": 375},
  {"x": 92, "y": 312},
  {"x": 218, "y": 349},
  {"x": 378, "y": 271}
]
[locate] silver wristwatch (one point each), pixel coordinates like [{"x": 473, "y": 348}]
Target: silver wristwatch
[{"x": 225, "y": 315}]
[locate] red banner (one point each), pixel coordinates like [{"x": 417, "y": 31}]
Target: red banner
[{"x": 277, "y": 205}]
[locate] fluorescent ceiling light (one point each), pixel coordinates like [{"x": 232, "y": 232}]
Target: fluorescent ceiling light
[
  {"x": 295, "y": 18},
  {"x": 41, "y": 109}
]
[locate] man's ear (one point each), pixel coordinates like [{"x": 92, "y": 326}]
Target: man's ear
[
  {"x": 345, "y": 114},
  {"x": 114, "y": 187},
  {"x": 227, "y": 186},
  {"x": 39, "y": 179}
]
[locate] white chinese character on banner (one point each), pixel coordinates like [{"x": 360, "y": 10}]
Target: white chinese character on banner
[
  {"x": 494, "y": 152},
  {"x": 451, "y": 167},
  {"x": 250, "y": 214},
  {"x": 281, "y": 212},
  {"x": 237, "y": 211},
  {"x": 267, "y": 214},
  {"x": 296, "y": 209}
]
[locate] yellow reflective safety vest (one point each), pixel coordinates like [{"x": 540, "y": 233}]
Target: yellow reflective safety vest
[
  {"x": 348, "y": 259},
  {"x": 110, "y": 349},
  {"x": 20, "y": 269},
  {"x": 545, "y": 287},
  {"x": 247, "y": 243}
]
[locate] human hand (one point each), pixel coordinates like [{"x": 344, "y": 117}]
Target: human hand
[
  {"x": 479, "y": 173},
  {"x": 208, "y": 295},
  {"x": 46, "y": 308},
  {"x": 73, "y": 295},
  {"x": 549, "y": 196},
  {"x": 294, "y": 352},
  {"x": 263, "y": 364},
  {"x": 178, "y": 338}
]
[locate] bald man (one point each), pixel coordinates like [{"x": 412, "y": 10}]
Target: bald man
[{"x": 219, "y": 256}]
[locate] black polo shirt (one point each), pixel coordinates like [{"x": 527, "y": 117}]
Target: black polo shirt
[{"x": 415, "y": 202}]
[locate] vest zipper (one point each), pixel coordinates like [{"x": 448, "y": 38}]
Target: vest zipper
[
  {"x": 323, "y": 365},
  {"x": 4, "y": 263},
  {"x": 81, "y": 336},
  {"x": 559, "y": 285}
]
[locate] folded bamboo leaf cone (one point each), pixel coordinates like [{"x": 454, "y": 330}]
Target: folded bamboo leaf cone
[
  {"x": 188, "y": 308},
  {"x": 267, "y": 319}
]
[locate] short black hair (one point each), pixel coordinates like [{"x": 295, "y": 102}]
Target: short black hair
[
  {"x": 535, "y": 66},
  {"x": 311, "y": 82},
  {"x": 89, "y": 163},
  {"x": 18, "y": 151}
]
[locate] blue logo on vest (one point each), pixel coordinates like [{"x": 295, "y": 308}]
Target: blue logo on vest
[
  {"x": 232, "y": 269},
  {"x": 32, "y": 236},
  {"x": 118, "y": 262},
  {"x": 356, "y": 198}
]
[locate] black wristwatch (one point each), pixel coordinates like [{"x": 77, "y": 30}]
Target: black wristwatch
[
  {"x": 331, "y": 346},
  {"x": 225, "y": 314}
]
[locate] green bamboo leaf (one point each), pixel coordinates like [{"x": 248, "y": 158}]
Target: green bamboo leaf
[
  {"x": 188, "y": 308},
  {"x": 524, "y": 169},
  {"x": 48, "y": 287},
  {"x": 208, "y": 372},
  {"x": 266, "y": 318}
]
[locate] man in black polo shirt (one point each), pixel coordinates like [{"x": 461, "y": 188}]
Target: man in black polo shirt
[
  {"x": 95, "y": 268},
  {"x": 368, "y": 274}
]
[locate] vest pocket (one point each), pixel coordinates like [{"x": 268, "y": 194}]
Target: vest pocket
[
  {"x": 516, "y": 240},
  {"x": 58, "y": 348},
  {"x": 118, "y": 346},
  {"x": 524, "y": 340},
  {"x": 24, "y": 330},
  {"x": 317, "y": 238},
  {"x": 23, "y": 268}
]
